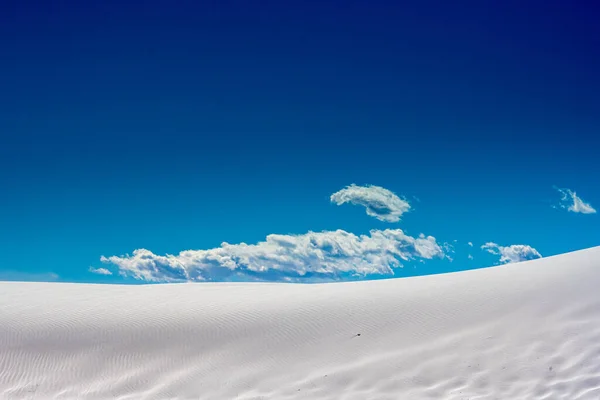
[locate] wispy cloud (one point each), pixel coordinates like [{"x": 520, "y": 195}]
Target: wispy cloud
[
  {"x": 470, "y": 244},
  {"x": 99, "y": 271},
  {"x": 9, "y": 275},
  {"x": 574, "y": 203},
  {"x": 311, "y": 256},
  {"x": 513, "y": 253},
  {"x": 379, "y": 202}
]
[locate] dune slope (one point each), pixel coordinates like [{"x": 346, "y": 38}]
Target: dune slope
[{"x": 522, "y": 331}]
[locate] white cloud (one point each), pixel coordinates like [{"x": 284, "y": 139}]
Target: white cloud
[
  {"x": 448, "y": 250},
  {"x": 574, "y": 203},
  {"x": 379, "y": 202},
  {"x": 513, "y": 253},
  {"x": 311, "y": 256},
  {"x": 470, "y": 257},
  {"x": 22, "y": 276},
  {"x": 99, "y": 271},
  {"x": 470, "y": 244}
]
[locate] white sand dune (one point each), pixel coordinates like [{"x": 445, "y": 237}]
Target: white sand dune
[{"x": 521, "y": 331}]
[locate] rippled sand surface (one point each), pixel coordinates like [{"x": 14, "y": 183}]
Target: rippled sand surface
[{"x": 521, "y": 332}]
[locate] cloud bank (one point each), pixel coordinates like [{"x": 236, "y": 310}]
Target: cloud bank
[
  {"x": 574, "y": 203},
  {"x": 311, "y": 256},
  {"x": 379, "y": 202},
  {"x": 513, "y": 253}
]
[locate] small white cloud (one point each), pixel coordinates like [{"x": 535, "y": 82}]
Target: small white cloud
[
  {"x": 380, "y": 203},
  {"x": 513, "y": 253},
  {"x": 99, "y": 271},
  {"x": 470, "y": 257},
  {"x": 574, "y": 203},
  {"x": 311, "y": 256},
  {"x": 470, "y": 244}
]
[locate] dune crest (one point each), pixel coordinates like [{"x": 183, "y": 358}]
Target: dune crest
[{"x": 521, "y": 332}]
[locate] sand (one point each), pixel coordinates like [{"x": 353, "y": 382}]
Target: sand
[{"x": 521, "y": 331}]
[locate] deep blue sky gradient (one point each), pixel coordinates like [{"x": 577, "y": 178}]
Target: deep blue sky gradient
[{"x": 180, "y": 125}]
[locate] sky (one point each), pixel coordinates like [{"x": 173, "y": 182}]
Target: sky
[{"x": 294, "y": 141}]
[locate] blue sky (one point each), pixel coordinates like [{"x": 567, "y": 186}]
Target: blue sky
[{"x": 172, "y": 128}]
